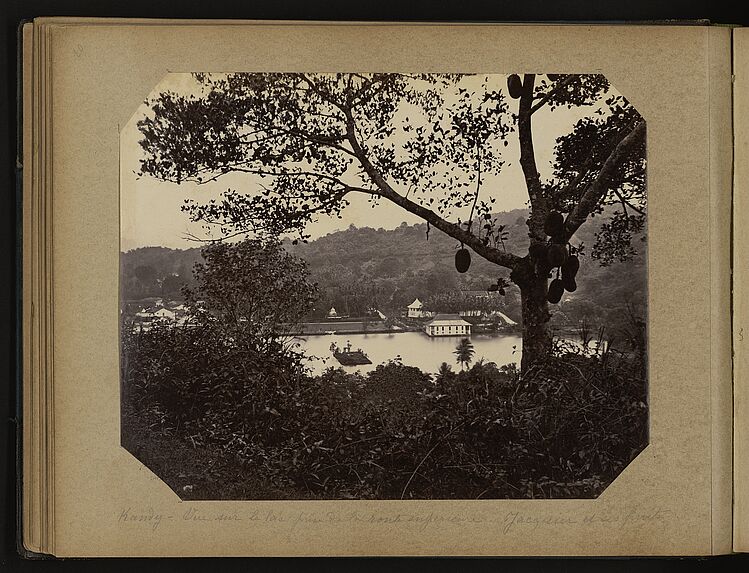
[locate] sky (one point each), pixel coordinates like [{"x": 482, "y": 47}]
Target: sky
[{"x": 150, "y": 212}]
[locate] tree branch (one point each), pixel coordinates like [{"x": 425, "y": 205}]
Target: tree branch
[
  {"x": 528, "y": 161},
  {"x": 324, "y": 96},
  {"x": 570, "y": 189},
  {"x": 540, "y": 103},
  {"x": 624, "y": 202},
  {"x": 494, "y": 255},
  {"x": 598, "y": 188}
]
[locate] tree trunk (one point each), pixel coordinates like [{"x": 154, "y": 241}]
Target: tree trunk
[{"x": 535, "y": 310}]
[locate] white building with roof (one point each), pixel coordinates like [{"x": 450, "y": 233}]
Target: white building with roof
[
  {"x": 416, "y": 310},
  {"x": 507, "y": 320},
  {"x": 448, "y": 325},
  {"x": 164, "y": 313}
]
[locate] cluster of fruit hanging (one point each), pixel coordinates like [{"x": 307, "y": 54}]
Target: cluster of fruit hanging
[
  {"x": 463, "y": 262},
  {"x": 560, "y": 255}
]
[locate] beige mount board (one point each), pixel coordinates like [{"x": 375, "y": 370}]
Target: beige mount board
[{"x": 86, "y": 496}]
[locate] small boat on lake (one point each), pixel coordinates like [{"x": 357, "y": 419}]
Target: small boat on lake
[{"x": 348, "y": 357}]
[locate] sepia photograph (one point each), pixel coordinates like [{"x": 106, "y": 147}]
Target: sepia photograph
[{"x": 384, "y": 285}]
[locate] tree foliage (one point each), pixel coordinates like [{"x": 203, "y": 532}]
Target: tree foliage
[
  {"x": 255, "y": 291},
  {"x": 464, "y": 352},
  {"x": 422, "y": 141}
]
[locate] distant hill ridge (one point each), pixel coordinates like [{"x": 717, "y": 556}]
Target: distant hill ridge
[{"x": 389, "y": 268}]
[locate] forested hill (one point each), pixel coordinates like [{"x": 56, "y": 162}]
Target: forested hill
[
  {"x": 156, "y": 271},
  {"x": 361, "y": 267}
]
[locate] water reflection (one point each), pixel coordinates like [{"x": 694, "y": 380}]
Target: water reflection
[{"x": 413, "y": 348}]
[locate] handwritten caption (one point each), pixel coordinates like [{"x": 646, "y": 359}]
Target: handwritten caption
[{"x": 508, "y": 522}]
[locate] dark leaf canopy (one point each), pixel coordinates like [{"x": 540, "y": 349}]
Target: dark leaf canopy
[
  {"x": 579, "y": 160},
  {"x": 255, "y": 290},
  {"x": 570, "y": 90}
]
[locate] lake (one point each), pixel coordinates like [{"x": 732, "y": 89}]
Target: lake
[{"x": 414, "y": 348}]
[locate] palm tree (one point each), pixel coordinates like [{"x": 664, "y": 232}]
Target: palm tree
[
  {"x": 464, "y": 352},
  {"x": 444, "y": 374}
]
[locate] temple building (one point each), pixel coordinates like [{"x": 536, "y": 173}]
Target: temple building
[
  {"x": 448, "y": 325},
  {"x": 416, "y": 310}
]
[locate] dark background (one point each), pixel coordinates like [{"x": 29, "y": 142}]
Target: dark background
[{"x": 12, "y": 12}]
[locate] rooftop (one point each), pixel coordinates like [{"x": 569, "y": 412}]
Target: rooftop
[{"x": 447, "y": 320}]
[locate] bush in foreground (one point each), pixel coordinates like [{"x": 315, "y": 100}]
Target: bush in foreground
[{"x": 565, "y": 429}]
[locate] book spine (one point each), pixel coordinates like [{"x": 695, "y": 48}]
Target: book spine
[
  {"x": 36, "y": 505},
  {"x": 31, "y": 539}
]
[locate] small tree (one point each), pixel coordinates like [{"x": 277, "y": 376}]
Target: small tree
[
  {"x": 464, "y": 353},
  {"x": 445, "y": 374},
  {"x": 255, "y": 291}
]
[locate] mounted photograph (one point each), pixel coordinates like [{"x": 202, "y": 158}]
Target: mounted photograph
[{"x": 384, "y": 285}]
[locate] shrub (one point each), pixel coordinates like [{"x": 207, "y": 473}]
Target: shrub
[{"x": 564, "y": 429}]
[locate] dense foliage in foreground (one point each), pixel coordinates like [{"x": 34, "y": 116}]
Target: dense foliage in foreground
[{"x": 564, "y": 429}]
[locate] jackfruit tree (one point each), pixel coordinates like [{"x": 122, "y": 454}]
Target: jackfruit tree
[{"x": 424, "y": 142}]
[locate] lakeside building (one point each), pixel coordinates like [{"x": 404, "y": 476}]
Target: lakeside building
[
  {"x": 153, "y": 314},
  {"x": 448, "y": 325},
  {"x": 480, "y": 305},
  {"x": 146, "y": 317},
  {"x": 507, "y": 320},
  {"x": 416, "y": 310}
]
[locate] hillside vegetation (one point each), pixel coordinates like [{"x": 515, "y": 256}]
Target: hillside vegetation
[{"x": 359, "y": 268}]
